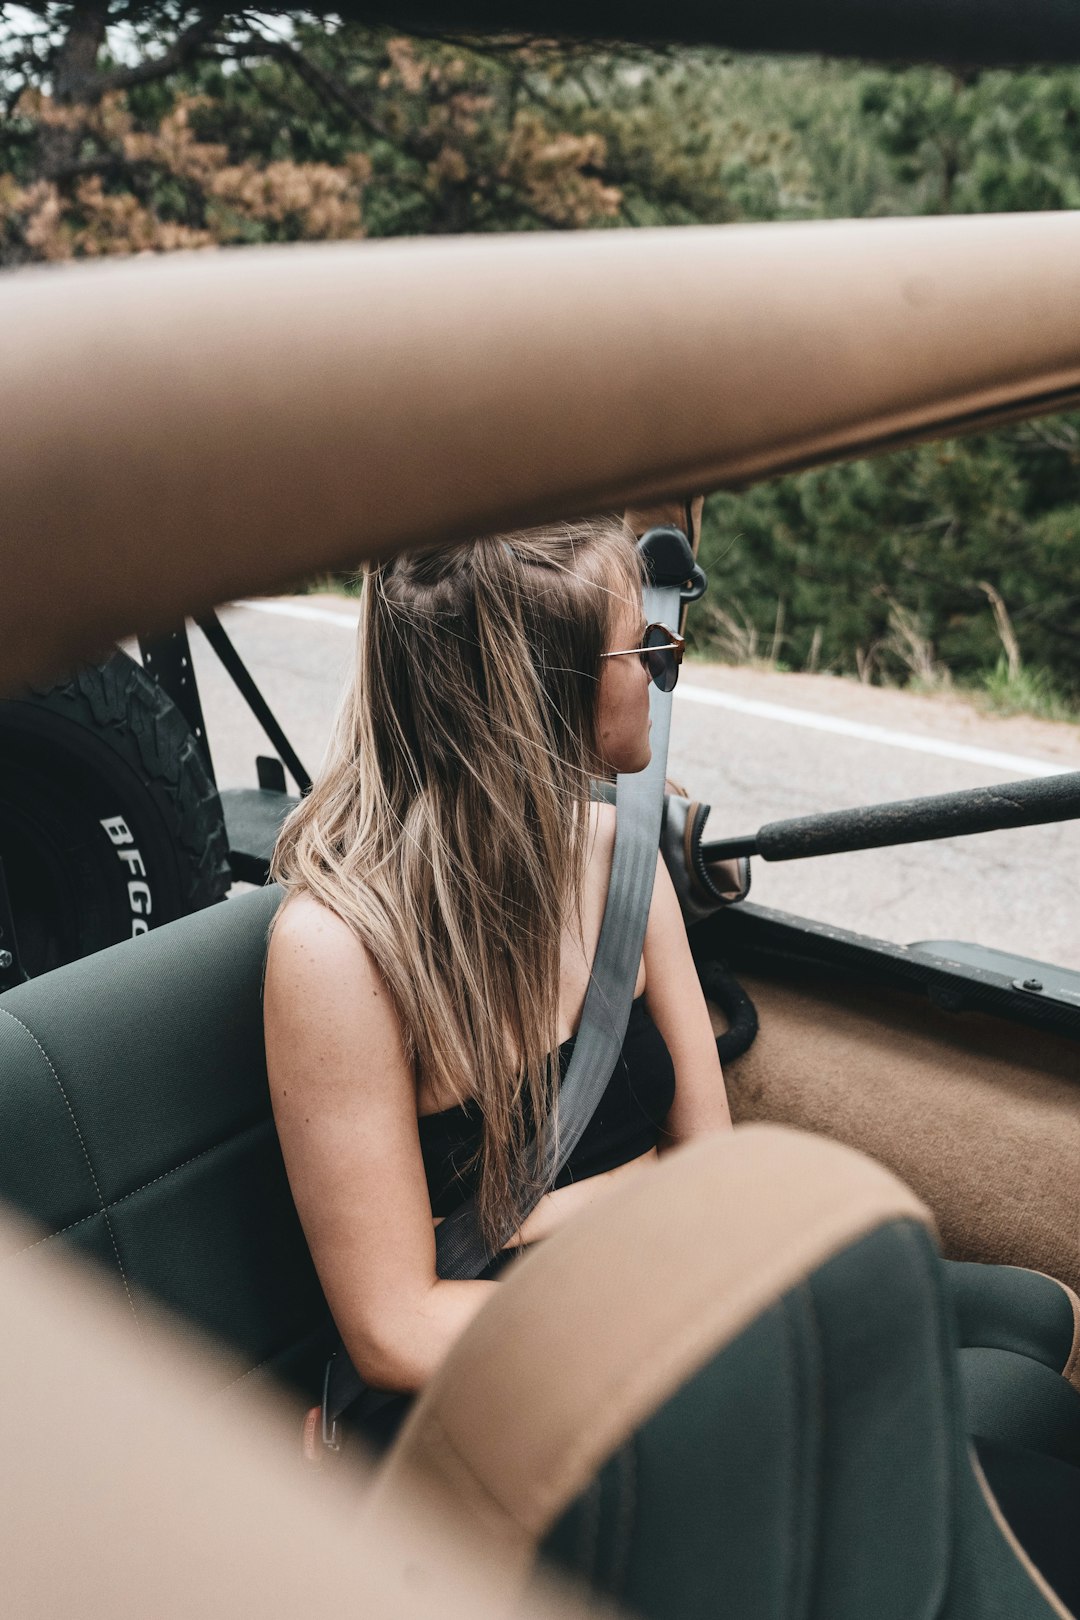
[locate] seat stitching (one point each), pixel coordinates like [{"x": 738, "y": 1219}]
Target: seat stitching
[
  {"x": 257, "y": 1368},
  {"x": 60, "y": 1231},
  {"x": 86, "y": 1156},
  {"x": 282, "y": 1350},
  {"x": 172, "y": 1171}
]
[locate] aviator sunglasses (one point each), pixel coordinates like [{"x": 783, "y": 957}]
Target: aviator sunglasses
[{"x": 660, "y": 652}]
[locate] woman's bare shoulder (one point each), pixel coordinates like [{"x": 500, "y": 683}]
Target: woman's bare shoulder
[
  {"x": 325, "y": 1001},
  {"x": 312, "y": 945},
  {"x": 302, "y": 921}
]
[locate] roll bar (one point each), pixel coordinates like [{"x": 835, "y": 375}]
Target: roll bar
[
  {"x": 1029, "y": 803},
  {"x": 182, "y": 431}
]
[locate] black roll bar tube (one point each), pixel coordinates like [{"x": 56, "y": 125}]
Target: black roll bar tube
[
  {"x": 1028, "y": 803},
  {"x": 216, "y": 634}
]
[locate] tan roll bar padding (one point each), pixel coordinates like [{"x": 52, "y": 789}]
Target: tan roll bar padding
[
  {"x": 184, "y": 430},
  {"x": 589, "y": 1335},
  {"x": 133, "y": 1490},
  {"x": 680, "y": 514}
]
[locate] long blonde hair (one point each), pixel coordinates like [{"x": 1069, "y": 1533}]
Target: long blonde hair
[{"x": 448, "y": 826}]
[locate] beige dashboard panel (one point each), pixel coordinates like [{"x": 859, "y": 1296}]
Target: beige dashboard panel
[{"x": 182, "y": 430}]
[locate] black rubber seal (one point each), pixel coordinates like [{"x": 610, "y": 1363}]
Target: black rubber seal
[{"x": 723, "y": 989}]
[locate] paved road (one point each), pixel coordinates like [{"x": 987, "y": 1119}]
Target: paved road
[{"x": 1015, "y": 890}]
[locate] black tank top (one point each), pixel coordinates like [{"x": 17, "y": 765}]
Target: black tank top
[{"x": 627, "y": 1122}]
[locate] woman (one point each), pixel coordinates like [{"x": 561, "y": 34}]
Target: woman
[{"x": 446, "y": 882}]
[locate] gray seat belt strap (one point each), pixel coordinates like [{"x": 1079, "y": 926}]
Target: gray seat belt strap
[{"x": 639, "y": 809}]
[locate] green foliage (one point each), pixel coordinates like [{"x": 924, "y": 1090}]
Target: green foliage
[
  {"x": 1025, "y": 691},
  {"x": 357, "y": 131},
  {"x": 882, "y": 565},
  {"x": 980, "y": 143}
]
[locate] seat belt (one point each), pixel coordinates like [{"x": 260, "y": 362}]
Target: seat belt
[{"x": 461, "y": 1252}]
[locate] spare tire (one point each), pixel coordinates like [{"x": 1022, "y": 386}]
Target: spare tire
[{"x": 110, "y": 823}]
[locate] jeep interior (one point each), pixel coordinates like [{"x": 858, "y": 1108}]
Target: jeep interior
[{"x": 803, "y": 1415}]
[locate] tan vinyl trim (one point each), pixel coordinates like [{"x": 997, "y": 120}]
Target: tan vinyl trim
[
  {"x": 1038, "y": 1580},
  {"x": 178, "y": 431},
  {"x": 591, "y": 1333},
  {"x": 129, "y": 1489}
]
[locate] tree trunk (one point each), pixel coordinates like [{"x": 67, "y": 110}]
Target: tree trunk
[{"x": 76, "y": 66}]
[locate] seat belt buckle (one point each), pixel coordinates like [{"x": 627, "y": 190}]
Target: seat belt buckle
[
  {"x": 329, "y": 1427},
  {"x": 320, "y": 1432}
]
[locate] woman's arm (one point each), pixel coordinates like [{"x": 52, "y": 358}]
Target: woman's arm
[
  {"x": 674, "y": 997},
  {"x": 345, "y": 1107}
]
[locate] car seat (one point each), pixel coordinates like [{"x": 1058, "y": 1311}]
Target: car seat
[
  {"x": 734, "y": 1390},
  {"x": 135, "y": 1125}
]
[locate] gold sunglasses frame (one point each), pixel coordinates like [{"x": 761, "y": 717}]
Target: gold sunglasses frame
[{"x": 675, "y": 644}]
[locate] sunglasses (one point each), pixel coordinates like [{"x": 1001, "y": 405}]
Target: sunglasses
[{"x": 661, "y": 654}]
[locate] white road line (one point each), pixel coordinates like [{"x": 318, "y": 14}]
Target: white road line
[
  {"x": 1021, "y": 764},
  {"x": 1017, "y": 764},
  {"x": 293, "y": 610}
]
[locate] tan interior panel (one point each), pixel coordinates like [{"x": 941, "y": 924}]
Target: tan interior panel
[{"x": 981, "y": 1117}]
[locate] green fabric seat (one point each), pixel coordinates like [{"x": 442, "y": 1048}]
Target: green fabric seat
[
  {"x": 135, "y": 1124},
  {"x": 1008, "y": 1308},
  {"x": 1015, "y": 1332},
  {"x": 819, "y": 1467},
  {"x": 1012, "y": 1399}
]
